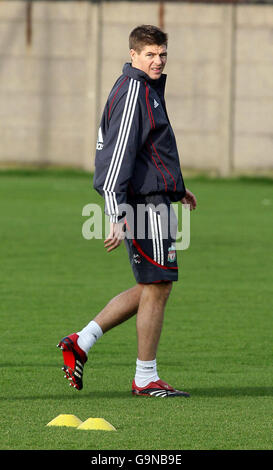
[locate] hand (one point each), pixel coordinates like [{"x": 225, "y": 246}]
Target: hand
[
  {"x": 189, "y": 199},
  {"x": 115, "y": 236}
]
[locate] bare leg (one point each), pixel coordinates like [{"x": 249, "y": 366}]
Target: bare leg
[
  {"x": 150, "y": 318},
  {"x": 120, "y": 308}
]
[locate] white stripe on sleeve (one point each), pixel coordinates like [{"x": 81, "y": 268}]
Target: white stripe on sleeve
[{"x": 120, "y": 147}]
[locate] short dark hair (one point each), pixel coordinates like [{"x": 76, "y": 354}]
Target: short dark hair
[{"x": 147, "y": 34}]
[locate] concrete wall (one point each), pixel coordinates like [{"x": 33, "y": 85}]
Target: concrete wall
[
  {"x": 253, "y": 88},
  {"x": 58, "y": 61}
]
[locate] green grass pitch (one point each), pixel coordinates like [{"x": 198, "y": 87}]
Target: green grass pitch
[{"x": 217, "y": 336}]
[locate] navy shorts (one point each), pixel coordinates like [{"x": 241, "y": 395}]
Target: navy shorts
[{"x": 151, "y": 226}]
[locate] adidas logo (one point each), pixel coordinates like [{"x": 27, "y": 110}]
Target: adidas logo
[
  {"x": 156, "y": 104},
  {"x": 99, "y": 145}
]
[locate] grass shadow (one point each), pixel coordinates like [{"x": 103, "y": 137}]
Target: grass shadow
[{"x": 218, "y": 392}]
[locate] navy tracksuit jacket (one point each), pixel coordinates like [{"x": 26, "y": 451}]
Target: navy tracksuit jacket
[{"x": 136, "y": 151}]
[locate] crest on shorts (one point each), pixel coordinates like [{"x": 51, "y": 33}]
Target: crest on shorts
[{"x": 171, "y": 254}]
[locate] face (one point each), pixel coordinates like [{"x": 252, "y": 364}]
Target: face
[{"x": 151, "y": 60}]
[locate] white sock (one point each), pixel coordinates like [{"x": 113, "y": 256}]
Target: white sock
[
  {"x": 89, "y": 335},
  {"x": 146, "y": 372}
]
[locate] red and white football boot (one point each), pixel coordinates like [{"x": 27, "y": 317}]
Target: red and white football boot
[
  {"x": 74, "y": 360},
  {"x": 158, "y": 389}
]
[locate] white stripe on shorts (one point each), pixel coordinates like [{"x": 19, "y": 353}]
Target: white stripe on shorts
[
  {"x": 157, "y": 240},
  {"x": 153, "y": 233},
  {"x": 160, "y": 238}
]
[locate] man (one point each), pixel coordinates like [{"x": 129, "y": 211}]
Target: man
[{"x": 137, "y": 163}]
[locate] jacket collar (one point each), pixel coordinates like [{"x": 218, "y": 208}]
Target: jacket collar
[{"x": 138, "y": 74}]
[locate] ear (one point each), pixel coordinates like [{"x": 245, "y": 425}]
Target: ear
[{"x": 133, "y": 54}]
